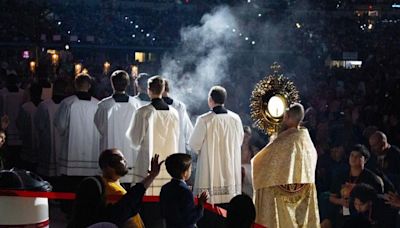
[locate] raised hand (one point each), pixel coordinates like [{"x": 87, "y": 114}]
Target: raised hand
[{"x": 155, "y": 166}]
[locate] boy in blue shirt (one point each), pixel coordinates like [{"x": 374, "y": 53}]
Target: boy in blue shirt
[{"x": 176, "y": 199}]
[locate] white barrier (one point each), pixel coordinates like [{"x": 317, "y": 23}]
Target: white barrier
[{"x": 24, "y": 212}]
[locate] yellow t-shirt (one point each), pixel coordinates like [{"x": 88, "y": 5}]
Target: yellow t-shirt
[{"x": 115, "y": 188}]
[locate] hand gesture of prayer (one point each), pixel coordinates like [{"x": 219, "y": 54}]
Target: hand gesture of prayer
[{"x": 203, "y": 197}]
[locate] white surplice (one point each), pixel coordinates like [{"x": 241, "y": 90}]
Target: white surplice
[
  {"x": 27, "y": 131},
  {"x": 140, "y": 101},
  {"x": 49, "y": 138},
  {"x": 153, "y": 132},
  {"x": 112, "y": 120},
  {"x": 185, "y": 126},
  {"x": 80, "y": 150},
  {"x": 10, "y": 103},
  {"x": 218, "y": 139}
]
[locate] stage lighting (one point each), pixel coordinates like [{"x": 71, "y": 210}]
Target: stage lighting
[
  {"x": 55, "y": 58},
  {"x": 25, "y": 55},
  {"x": 32, "y": 66},
  {"x": 106, "y": 67},
  {"x": 134, "y": 71},
  {"x": 78, "y": 68}
]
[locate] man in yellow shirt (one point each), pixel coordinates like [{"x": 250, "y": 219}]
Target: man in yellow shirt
[
  {"x": 97, "y": 197},
  {"x": 111, "y": 179}
]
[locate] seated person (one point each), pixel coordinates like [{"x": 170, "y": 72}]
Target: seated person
[
  {"x": 343, "y": 184},
  {"x": 91, "y": 203},
  {"x": 176, "y": 199},
  {"x": 371, "y": 208},
  {"x": 241, "y": 212}
]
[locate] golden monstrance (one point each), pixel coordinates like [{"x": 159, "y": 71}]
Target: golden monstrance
[{"x": 270, "y": 99}]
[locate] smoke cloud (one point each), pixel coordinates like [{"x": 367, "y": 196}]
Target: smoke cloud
[
  {"x": 235, "y": 46},
  {"x": 202, "y": 58}
]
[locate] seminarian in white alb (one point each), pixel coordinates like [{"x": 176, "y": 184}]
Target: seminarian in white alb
[
  {"x": 217, "y": 137},
  {"x": 154, "y": 130},
  {"x": 185, "y": 125},
  {"x": 112, "y": 120},
  {"x": 80, "y": 139}
]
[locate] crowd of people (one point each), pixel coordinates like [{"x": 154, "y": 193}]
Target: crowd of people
[
  {"x": 65, "y": 127},
  {"x": 350, "y": 179}
]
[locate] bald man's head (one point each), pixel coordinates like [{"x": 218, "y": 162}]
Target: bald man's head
[
  {"x": 378, "y": 142},
  {"x": 293, "y": 116}
]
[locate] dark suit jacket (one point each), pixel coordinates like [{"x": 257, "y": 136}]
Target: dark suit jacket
[
  {"x": 177, "y": 205},
  {"x": 391, "y": 167}
]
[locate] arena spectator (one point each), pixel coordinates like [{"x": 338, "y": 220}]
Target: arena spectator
[{"x": 93, "y": 206}]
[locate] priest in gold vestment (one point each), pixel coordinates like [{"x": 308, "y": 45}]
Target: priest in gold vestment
[{"x": 284, "y": 177}]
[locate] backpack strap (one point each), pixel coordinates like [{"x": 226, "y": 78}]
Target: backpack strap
[{"x": 99, "y": 182}]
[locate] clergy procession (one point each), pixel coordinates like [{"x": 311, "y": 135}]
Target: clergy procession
[
  {"x": 147, "y": 145},
  {"x": 199, "y": 114}
]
